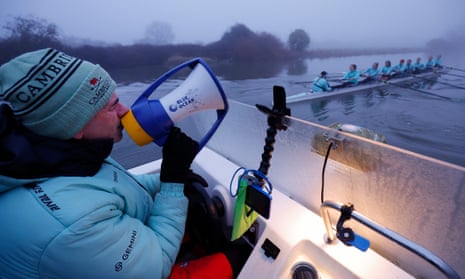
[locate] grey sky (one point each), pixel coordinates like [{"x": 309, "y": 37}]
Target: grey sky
[{"x": 347, "y": 23}]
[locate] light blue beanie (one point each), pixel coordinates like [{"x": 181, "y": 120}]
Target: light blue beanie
[{"x": 54, "y": 94}]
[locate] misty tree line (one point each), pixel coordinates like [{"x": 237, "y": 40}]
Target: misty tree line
[{"x": 238, "y": 44}]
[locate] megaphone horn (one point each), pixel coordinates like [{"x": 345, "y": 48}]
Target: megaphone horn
[{"x": 152, "y": 120}]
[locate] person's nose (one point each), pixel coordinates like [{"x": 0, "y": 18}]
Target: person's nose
[{"x": 122, "y": 110}]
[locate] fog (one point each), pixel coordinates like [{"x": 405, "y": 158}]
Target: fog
[{"x": 355, "y": 23}]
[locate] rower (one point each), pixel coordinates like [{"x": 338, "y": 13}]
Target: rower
[
  {"x": 430, "y": 63},
  {"x": 399, "y": 69},
  {"x": 438, "y": 62},
  {"x": 350, "y": 78},
  {"x": 320, "y": 83},
  {"x": 418, "y": 66},
  {"x": 408, "y": 69},
  {"x": 371, "y": 73},
  {"x": 387, "y": 71}
]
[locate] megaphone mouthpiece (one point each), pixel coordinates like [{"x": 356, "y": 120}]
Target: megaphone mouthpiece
[{"x": 135, "y": 131}]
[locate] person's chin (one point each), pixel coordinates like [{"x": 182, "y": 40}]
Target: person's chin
[
  {"x": 118, "y": 138},
  {"x": 119, "y": 135}
]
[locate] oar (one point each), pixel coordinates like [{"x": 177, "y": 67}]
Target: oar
[
  {"x": 454, "y": 75},
  {"x": 453, "y": 68},
  {"x": 418, "y": 90},
  {"x": 329, "y": 77},
  {"x": 440, "y": 82}
]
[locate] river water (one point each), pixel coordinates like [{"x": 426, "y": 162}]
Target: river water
[{"x": 428, "y": 119}]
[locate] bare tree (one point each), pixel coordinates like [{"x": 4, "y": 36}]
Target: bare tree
[
  {"x": 32, "y": 30},
  {"x": 25, "y": 34}
]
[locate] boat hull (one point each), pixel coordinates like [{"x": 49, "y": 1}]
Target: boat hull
[{"x": 308, "y": 95}]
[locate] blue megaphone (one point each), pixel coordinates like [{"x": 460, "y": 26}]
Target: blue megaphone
[{"x": 152, "y": 120}]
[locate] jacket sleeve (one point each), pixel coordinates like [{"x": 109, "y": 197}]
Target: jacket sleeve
[
  {"x": 151, "y": 182},
  {"x": 168, "y": 220},
  {"x": 108, "y": 243},
  {"x": 326, "y": 86}
]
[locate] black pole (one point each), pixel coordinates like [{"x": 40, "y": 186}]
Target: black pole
[{"x": 276, "y": 121}]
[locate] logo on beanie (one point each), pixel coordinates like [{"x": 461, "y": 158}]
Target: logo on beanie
[
  {"x": 93, "y": 82},
  {"x": 99, "y": 86}
]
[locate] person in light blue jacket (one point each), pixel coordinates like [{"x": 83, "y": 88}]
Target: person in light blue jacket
[
  {"x": 372, "y": 72},
  {"x": 67, "y": 210},
  {"x": 387, "y": 71},
  {"x": 352, "y": 75},
  {"x": 409, "y": 67},
  {"x": 399, "y": 69},
  {"x": 438, "y": 62},
  {"x": 350, "y": 78},
  {"x": 320, "y": 83},
  {"x": 429, "y": 63},
  {"x": 418, "y": 66}
]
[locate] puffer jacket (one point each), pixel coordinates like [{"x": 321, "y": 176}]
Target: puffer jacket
[
  {"x": 69, "y": 211},
  {"x": 352, "y": 77},
  {"x": 320, "y": 84}
]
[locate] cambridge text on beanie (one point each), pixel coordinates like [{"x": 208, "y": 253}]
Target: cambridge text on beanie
[{"x": 54, "y": 94}]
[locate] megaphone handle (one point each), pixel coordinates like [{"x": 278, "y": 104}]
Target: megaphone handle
[
  {"x": 221, "y": 115},
  {"x": 191, "y": 63}
]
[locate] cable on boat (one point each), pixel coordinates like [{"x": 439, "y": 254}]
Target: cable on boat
[{"x": 323, "y": 171}]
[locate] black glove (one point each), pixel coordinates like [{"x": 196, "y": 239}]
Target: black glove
[
  {"x": 178, "y": 151},
  {"x": 192, "y": 178}
]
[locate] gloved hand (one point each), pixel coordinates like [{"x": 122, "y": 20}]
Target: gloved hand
[
  {"x": 192, "y": 178},
  {"x": 178, "y": 151}
]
